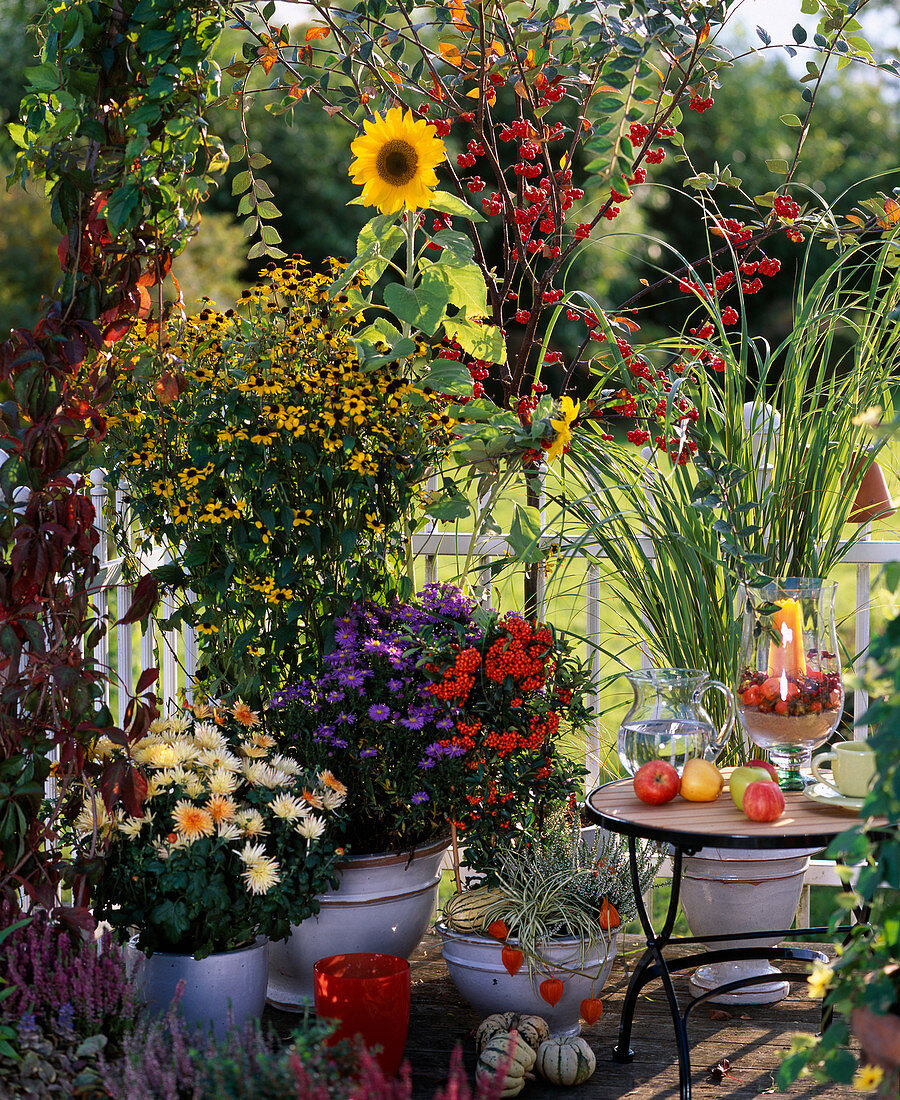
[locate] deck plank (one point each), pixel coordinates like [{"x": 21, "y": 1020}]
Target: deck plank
[{"x": 752, "y": 1039}]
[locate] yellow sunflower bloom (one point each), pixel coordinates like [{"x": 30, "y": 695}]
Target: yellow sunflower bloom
[
  {"x": 395, "y": 160},
  {"x": 569, "y": 412}
]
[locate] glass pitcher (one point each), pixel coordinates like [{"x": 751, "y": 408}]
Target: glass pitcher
[{"x": 668, "y": 721}]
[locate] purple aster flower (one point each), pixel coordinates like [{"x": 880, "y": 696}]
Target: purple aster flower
[
  {"x": 353, "y": 677},
  {"x": 418, "y": 798},
  {"x": 368, "y": 753},
  {"x": 379, "y": 712},
  {"x": 334, "y": 696},
  {"x": 445, "y": 724},
  {"x": 426, "y": 764}
]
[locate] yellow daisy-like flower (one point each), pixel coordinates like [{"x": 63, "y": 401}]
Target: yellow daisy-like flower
[
  {"x": 868, "y": 1078},
  {"x": 568, "y": 412},
  {"x": 260, "y": 877},
  {"x": 819, "y": 981},
  {"x": 394, "y": 161},
  {"x": 192, "y": 822},
  {"x": 223, "y": 781},
  {"x": 162, "y": 756}
]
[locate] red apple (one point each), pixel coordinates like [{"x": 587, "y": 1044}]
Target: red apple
[
  {"x": 656, "y": 782},
  {"x": 770, "y": 768},
  {"x": 763, "y": 801}
]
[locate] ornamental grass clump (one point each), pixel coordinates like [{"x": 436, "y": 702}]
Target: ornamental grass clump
[
  {"x": 234, "y": 842},
  {"x": 435, "y": 713},
  {"x": 276, "y": 465}
]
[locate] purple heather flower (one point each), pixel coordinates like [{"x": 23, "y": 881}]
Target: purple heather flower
[
  {"x": 418, "y": 798},
  {"x": 379, "y": 712}
]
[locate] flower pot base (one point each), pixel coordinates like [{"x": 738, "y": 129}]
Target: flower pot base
[{"x": 710, "y": 977}]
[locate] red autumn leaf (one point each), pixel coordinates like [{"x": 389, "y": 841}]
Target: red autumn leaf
[
  {"x": 148, "y": 677},
  {"x": 591, "y": 1010},
  {"x": 114, "y": 332},
  {"x": 498, "y": 929},
  {"x": 551, "y": 989},
  {"x": 146, "y": 596},
  {"x": 512, "y": 959},
  {"x": 268, "y": 55}
]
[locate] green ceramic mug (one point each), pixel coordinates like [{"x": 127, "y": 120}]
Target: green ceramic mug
[{"x": 853, "y": 769}]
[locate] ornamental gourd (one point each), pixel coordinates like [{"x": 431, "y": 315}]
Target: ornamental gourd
[
  {"x": 505, "y": 1048},
  {"x": 565, "y": 1060},
  {"x": 464, "y": 911},
  {"x": 532, "y": 1029}
]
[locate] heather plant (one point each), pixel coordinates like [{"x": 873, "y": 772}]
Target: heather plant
[
  {"x": 59, "y": 978},
  {"x": 165, "y": 1060},
  {"x": 438, "y": 712}
]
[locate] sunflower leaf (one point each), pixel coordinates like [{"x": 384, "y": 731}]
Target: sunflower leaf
[
  {"x": 423, "y": 307},
  {"x": 446, "y": 203}
]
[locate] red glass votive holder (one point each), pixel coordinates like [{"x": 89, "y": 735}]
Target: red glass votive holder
[{"x": 368, "y": 994}]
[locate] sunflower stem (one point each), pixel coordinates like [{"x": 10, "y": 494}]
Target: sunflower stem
[{"x": 411, "y": 219}]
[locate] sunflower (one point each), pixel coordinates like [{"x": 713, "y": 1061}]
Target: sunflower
[{"x": 395, "y": 160}]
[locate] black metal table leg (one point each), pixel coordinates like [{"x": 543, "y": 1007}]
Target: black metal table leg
[{"x": 652, "y": 964}]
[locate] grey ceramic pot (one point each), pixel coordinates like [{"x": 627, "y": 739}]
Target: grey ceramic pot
[{"x": 227, "y": 981}]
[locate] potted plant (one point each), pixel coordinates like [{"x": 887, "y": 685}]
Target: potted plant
[
  {"x": 276, "y": 467},
  {"x": 863, "y": 985},
  {"x": 444, "y": 720},
  {"x": 234, "y": 844},
  {"x": 541, "y": 939}
]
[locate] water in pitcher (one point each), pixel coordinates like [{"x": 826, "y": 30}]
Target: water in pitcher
[{"x": 672, "y": 740}]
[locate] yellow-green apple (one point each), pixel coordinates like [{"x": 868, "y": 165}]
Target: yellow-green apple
[
  {"x": 763, "y": 801},
  {"x": 656, "y": 782},
  {"x": 741, "y": 777},
  {"x": 701, "y": 781},
  {"x": 770, "y": 768}
]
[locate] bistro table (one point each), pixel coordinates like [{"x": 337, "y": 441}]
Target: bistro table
[{"x": 688, "y": 827}]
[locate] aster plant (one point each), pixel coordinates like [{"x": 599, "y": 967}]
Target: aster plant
[
  {"x": 436, "y": 712},
  {"x": 234, "y": 841}
]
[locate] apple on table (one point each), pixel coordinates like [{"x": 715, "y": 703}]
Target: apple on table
[
  {"x": 656, "y": 782},
  {"x": 742, "y": 777}
]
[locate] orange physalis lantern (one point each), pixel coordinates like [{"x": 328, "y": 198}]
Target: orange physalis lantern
[
  {"x": 591, "y": 1010},
  {"x": 551, "y": 989},
  {"x": 512, "y": 959}
]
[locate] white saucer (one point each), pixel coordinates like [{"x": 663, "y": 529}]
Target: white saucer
[{"x": 823, "y": 794}]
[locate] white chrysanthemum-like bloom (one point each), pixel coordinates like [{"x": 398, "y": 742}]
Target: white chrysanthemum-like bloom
[
  {"x": 161, "y": 725},
  {"x": 261, "y": 876},
  {"x": 250, "y": 823},
  {"x": 162, "y": 851},
  {"x": 219, "y": 758},
  {"x": 91, "y": 811},
  {"x": 104, "y": 747},
  {"x": 222, "y": 781},
  {"x": 155, "y": 785},
  {"x": 285, "y": 764},
  {"x": 252, "y": 853},
  {"x": 174, "y": 775},
  {"x": 131, "y": 826},
  {"x": 227, "y": 830},
  {"x": 264, "y": 775},
  {"x": 161, "y": 756},
  {"x": 311, "y": 827},
  {"x": 287, "y": 807},
  {"x": 181, "y": 723},
  {"x": 332, "y": 799},
  {"x": 208, "y": 736},
  {"x": 194, "y": 786}
]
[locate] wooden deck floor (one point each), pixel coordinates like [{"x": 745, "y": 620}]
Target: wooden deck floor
[{"x": 751, "y": 1038}]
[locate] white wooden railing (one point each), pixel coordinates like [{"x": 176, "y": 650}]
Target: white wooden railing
[{"x": 178, "y": 654}]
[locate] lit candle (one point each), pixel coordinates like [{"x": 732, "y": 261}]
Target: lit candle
[{"x": 788, "y": 659}]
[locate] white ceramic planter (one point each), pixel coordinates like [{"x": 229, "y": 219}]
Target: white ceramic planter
[
  {"x": 477, "y": 971},
  {"x": 731, "y": 890},
  {"x": 384, "y": 904},
  {"x": 227, "y": 981}
]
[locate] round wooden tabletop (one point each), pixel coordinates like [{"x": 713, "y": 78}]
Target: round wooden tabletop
[{"x": 692, "y": 825}]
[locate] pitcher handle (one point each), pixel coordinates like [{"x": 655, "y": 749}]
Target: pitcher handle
[{"x": 716, "y": 746}]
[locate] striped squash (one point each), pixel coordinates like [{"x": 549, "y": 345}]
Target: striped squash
[
  {"x": 533, "y": 1029},
  {"x": 565, "y": 1060},
  {"x": 464, "y": 911},
  {"x": 505, "y": 1046}
]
